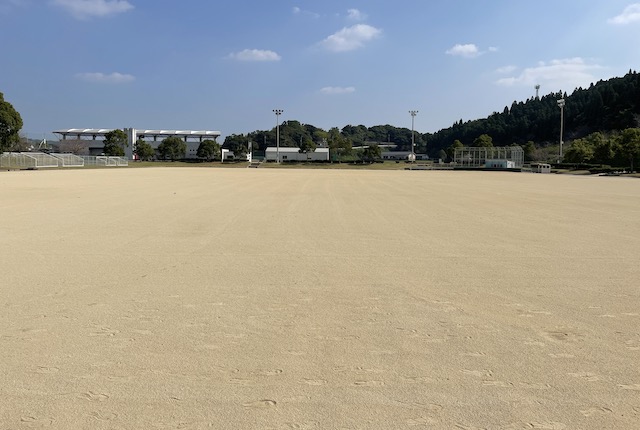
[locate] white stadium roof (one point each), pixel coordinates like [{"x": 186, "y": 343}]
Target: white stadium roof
[
  {"x": 290, "y": 149},
  {"x": 177, "y": 132},
  {"x": 139, "y": 132},
  {"x": 84, "y": 131}
]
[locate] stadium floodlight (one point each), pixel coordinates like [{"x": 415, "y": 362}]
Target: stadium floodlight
[
  {"x": 278, "y": 112},
  {"x": 561, "y": 104},
  {"x": 413, "y": 114}
]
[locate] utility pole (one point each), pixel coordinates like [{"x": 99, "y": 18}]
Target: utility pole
[
  {"x": 278, "y": 112},
  {"x": 561, "y": 104},
  {"x": 413, "y": 114}
]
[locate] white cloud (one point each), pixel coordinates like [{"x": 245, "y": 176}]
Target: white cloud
[
  {"x": 83, "y": 9},
  {"x": 104, "y": 78},
  {"x": 630, "y": 14},
  {"x": 298, "y": 11},
  {"x": 356, "y": 15},
  {"x": 350, "y": 38},
  {"x": 255, "y": 55},
  {"x": 467, "y": 51},
  {"x": 564, "y": 74},
  {"x": 337, "y": 90}
]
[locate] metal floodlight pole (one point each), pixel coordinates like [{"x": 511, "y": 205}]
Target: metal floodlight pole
[
  {"x": 561, "y": 103},
  {"x": 413, "y": 114},
  {"x": 278, "y": 112}
]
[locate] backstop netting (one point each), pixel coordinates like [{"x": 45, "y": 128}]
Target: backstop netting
[
  {"x": 27, "y": 160},
  {"x": 69, "y": 160},
  {"x": 104, "y": 160},
  {"x": 478, "y": 157}
]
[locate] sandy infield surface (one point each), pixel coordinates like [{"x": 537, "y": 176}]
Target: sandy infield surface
[{"x": 195, "y": 298}]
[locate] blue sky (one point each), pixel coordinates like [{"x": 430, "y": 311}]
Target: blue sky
[{"x": 226, "y": 64}]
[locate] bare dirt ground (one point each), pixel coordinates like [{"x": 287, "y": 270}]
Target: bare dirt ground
[{"x": 313, "y": 299}]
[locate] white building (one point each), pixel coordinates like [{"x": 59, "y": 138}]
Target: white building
[
  {"x": 499, "y": 164},
  {"x": 228, "y": 155},
  {"x": 540, "y": 168},
  {"x": 499, "y": 157},
  {"x": 402, "y": 155},
  {"x": 93, "y": 138},
  {"x": 294, "y": 154}
]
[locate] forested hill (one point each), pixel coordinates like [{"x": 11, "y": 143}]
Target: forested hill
[{"x": 606, "y": 106}]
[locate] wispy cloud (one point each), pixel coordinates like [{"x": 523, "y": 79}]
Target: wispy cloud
[
  {"x": 468, "y": 50},
  {"x": 106, "y": 78},
  {"x": 337, "y": 90},
  {"x": 356, "y": 15},
  {"x": 83, "y": 9},
  {"x": 298, "y": 11},
  {"x": 630, "y": 14},
  {"x": 566, "y": 73},
  {"x": 255, "y": 55},
  {"x": 350, "y": 38}
]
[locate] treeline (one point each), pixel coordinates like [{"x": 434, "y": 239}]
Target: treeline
[
  {"x": 607, "y": 107},
  {"x": 307, "y": 137},
  {"x": 615, "y": 149}
]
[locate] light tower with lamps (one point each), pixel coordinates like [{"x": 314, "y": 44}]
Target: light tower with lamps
[
  {"x": 413, "y": 114},
  {"x": 561, "y": 104},
  {"x": 278, "y": 112}
]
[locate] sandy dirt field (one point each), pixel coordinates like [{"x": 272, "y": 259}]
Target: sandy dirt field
[{"x": 195, "y": 298}]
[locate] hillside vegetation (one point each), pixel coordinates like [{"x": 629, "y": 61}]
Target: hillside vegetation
[{"x": 601, "y": 127}]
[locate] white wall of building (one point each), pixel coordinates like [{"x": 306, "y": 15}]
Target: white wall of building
[
  {"x": 294, "y": 154},
  {"x": 402, "y": 155},
  {"x": 93, "y": 138},
  {"x": 228, "y": 155},
  {"x": 499, "y": 164}
]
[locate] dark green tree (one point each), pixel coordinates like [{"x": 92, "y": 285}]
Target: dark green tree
[
  {"x": 371, "y": 153},
  {"x": 238, "y": 144},
  {"x": 580, "y": 151},
  {"x": 10, "y": 125},
  {"x": 173, "y": 148},
  {"x": 358, "y": 134},
  {"x": 114, "y": 143},
  {"x": 240, "y": 151},
  {"x": 339, "y": 145},
  {"x": 307, "y": 145},
  {"x": 144, "y": 151},
  {"x": 604, "y": 150},
  {"x": 208, "y": 150},
  {"x": 320, "y": 137},
  {"x": 483, "y": 141},
  {"x": 261, "y": 139},
  {"x": 451, "y": 150},
  {"x": 292, "y": 133},
  {"x": 630, "y": 145},
  {"x": 529, "y": 149}
]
